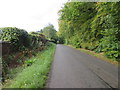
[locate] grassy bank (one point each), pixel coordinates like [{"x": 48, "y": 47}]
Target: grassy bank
[
  {"x": 35, "y": 75},
  {"x": 98, "y": 55}
]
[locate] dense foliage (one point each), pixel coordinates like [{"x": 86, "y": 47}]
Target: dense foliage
[
  {"x": 91, "y": 25},
  {"x": 22, "y": 45},
  {"x": 37, "y": 39},
  {"x": 20, "y": 39},
  {"x": 50, "y": 32},
  {"x": 33, "y": 75}
]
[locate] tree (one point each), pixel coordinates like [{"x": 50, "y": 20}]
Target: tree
[
  {"x": 50, "y": 32},
  {"x": 91, "y": 25}
]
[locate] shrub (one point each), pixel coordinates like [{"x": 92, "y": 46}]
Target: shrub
[
  {"x": 37, "y": 39},
  {"x": 19, "y": 38}
]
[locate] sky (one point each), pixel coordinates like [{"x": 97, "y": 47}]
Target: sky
[{"x": 31, "y": 15}]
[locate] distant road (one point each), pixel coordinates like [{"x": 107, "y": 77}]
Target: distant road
[{"x": 74, "y": 69}]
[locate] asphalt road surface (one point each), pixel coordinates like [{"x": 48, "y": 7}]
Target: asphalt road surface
[{"x": 74, "y": 69}]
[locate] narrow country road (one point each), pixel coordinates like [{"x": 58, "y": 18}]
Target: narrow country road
[{"x": 74, "y": 69}]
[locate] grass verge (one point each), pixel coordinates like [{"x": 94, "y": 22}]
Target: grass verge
[
  {"x": 98, "y": 55},
  {"x": 34, "y": 76}
]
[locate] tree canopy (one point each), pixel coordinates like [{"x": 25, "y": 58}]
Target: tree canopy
[
  {"x": 91, "y": 25},
  {"x": 50, "y": 32}
]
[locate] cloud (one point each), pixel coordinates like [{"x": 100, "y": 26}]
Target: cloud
[{"x": 31, "y": 15}]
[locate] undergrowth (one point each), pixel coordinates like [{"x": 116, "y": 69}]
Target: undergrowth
[{"x": 35, "y": 74}]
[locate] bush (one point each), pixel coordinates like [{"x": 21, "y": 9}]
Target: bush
[
  {"x": 18, "y": 38},
  {"x": 37, "y": 39},
  {"x": 20, "y": 41}
]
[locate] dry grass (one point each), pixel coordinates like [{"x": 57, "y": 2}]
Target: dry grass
[{"x": 98, "y": 55}]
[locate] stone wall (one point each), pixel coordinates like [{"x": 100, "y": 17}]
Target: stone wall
[{"x": 5, "y": 48}]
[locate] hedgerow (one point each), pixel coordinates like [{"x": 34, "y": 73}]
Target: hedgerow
[
  {"x": 18, "y": 38},
  {"x": 21, "y": 39},
  {"x": 22, "y": 45}
]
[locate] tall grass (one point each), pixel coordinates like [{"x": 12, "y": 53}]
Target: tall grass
[{"x": 35, "y": 76}]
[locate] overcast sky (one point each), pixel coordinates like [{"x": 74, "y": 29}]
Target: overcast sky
[{"x": 31, "y": 15}]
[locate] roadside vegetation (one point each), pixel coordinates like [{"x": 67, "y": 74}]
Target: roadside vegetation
[
  {"x": 50, "y": 33},
  {"x": 93, "y": 26},
  {"x": 25, "y": 56},
  {"x": 17, "y": 46},
  {"x": 34, "y": 75},
  {"x": 101, "y": 56}
]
